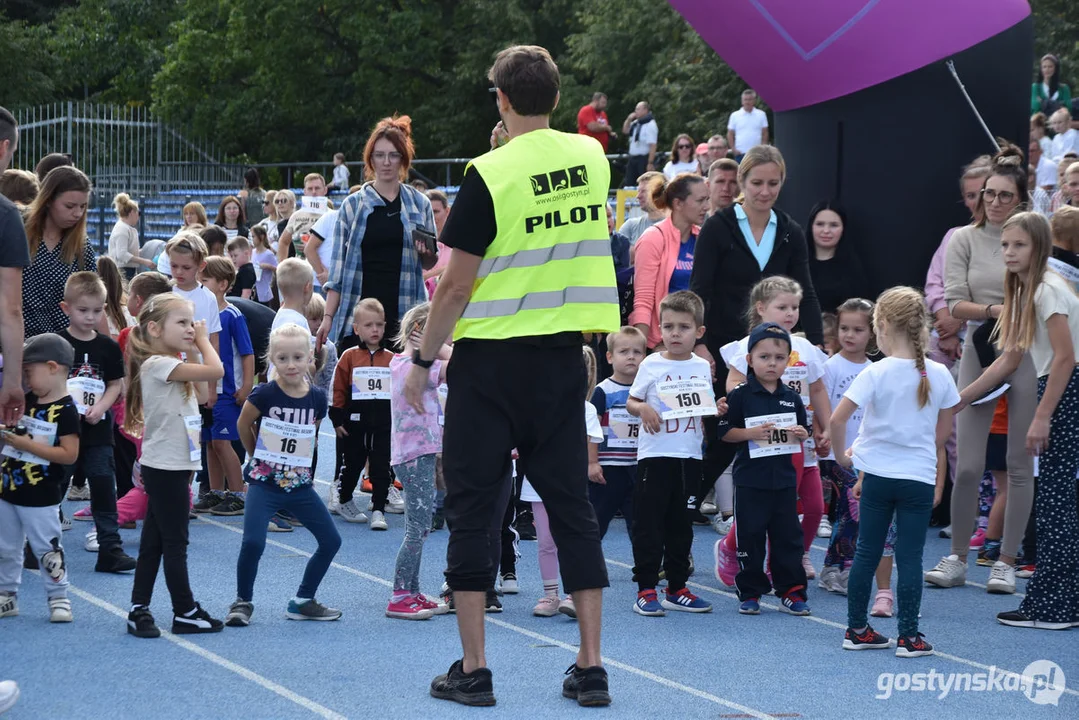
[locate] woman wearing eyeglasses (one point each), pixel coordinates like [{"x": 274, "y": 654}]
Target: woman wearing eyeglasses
[
  {"x": 374, "y": 254},
  {"x": 284, "y": 204},
  {"x": 682, "y": 158},
  {"x": 974, "y": 290}
]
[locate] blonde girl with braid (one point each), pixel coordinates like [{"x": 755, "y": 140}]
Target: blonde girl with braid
[{"x": 907, "y": 402}]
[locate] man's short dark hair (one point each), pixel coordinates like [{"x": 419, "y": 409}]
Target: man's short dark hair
[
  {"x": 49, "y": 163},
  {"x": 528, "y": 77},
  {"x": 8, "y": 125}
]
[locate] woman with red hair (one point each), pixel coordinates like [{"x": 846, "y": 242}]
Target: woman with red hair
[{"x": 374, "y": 254}]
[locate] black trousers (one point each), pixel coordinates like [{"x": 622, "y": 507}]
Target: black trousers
[
  {"x": 505, "y": 395},
  {"x": 164, "y": 535},
  {"x": 766, "y": 522},
  {"x": 507, "y": 562},
  {"x": 635, "y": 167},
  {"x": 718, "y": 455},
  {"x": 362, "y": 446},
  {"x": 662, "y": 524}
]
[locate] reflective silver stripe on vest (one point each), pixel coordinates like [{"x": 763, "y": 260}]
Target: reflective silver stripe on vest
[
  {"x": 548, "y": 300},
  {"x": 535, "y": 258}
]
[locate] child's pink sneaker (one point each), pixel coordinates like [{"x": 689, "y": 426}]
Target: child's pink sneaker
[
  {"x": 726, "y": 562},
  {"x": 408, "y": 608},
  {"x": 83, "y": 514},
  {"x": 883, "y": 603},
  {"x": 438, "y": 608},
  {"x": 977, "y": 540}
]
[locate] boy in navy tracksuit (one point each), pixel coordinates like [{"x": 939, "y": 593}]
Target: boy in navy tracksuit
[{"x": 768, "y": 421}]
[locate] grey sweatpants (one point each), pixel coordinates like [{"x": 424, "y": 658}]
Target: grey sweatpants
[
  {"x": 41, "y": 527},
  {"x": 973, "y": 435}
]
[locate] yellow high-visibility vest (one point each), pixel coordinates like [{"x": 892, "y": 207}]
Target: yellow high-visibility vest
[{"x": 549, "y": 269}]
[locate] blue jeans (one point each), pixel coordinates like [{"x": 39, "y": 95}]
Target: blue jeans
[
  {"x": 261, "y": 504},
  {"x": 911, "y": 502}
]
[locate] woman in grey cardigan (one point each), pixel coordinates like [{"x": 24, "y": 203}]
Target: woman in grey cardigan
[{"x": 974, "y": 290}]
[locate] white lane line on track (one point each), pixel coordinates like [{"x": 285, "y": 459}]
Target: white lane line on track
[
  {"x": 841, "y": 626},
  {"x": 659, "y": 679},
  {"x": 245, "y": 673}
]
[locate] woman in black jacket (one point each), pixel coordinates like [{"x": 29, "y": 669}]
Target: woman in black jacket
[
  {"x": 837, "y": 272},
  {"x": 736, "y": 248}
]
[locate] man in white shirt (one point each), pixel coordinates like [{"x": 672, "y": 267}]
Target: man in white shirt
[
  {"x": 340, "y": 173},
  {"x": 747, "y": 126},
  {"x": 643, "y": 133},
  {"x": 318, "y": 251},
  {"x": 1045, "y": 169}
]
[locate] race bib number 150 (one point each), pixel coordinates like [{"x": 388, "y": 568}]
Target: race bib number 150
[{"x": 686, "y": 398}]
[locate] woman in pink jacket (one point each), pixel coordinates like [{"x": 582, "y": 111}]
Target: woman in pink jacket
[{"x": 663, "y": 257}]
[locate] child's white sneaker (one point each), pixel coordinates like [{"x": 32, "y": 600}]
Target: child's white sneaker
[{"x": 60, "y": 610}]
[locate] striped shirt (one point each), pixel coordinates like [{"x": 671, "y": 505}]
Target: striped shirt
[{"x": 610, "y": 395}]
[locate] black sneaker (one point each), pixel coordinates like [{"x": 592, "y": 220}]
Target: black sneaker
[
  {"x": 197, "y": 621},
  {"x": 438, "y": 519},
  {"x": 447, "y": 597},
  {"x": 588, "y": 686},
  {"x": 231, "y": 505},
  {"x": 474, "y": 688},
  {"x": 905, "y": 647},
  {"x": 140, "y": 623},
  {"x": 208, "y": 502},
  {"x": 1014, "y": 618},
  {"x": 869, "y": 639},
  {"x": 493, "y": 605},
  {"x": 114, "y": 560}
]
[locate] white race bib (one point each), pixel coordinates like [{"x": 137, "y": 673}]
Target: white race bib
[
  {"x": 443, "y": 393},
  {"x": 796, "y": 377},
  {"x": 809, "y": 447},
  {"x": 38, "y": 431},
  {"x": 193, "y": 425},
  {"x": 693, "y": 397},
  {"x": 371, "y": 383},
  {"x": 86, "y": 392},
  {"x": 780, "y": 441},
  {"x": 1069, "y": 273},
  {"x": 282, "y": 443},
  {"x": 625, "y": 429}
]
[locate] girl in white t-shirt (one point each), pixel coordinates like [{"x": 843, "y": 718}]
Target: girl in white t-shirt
[
  {"x": 549, "y": 604},
  {"x": 854, "y": 320},
  {"x": 163, "y": 398},
  {"x": 1041, "y": 316},
  {"x": 907, "y": 402},
  {"x": 776, "y": 299}
]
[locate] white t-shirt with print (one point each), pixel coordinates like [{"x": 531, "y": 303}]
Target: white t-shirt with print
[
  {"x": 898, "y": 439},
  {"x": 681, "y": 437},
  {"x": 804, "y": 367},
  {"x": 324, "y": 229},
  {"x": 595, "y": 436},
  {"x": 839, "y": 373},
  {"x": 747, "y": 128},
  {"x": 671, "y": 169},
  {"x": 205, "y": 306}
]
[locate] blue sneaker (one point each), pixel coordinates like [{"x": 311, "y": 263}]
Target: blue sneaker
[
  {"x": 685, "y": 601},
  {"x": 752, "y": 606},
  {"x": 648, "y": 604},
  {"x": 279, "y": 524},
  {"x": 794, "y": 605}
]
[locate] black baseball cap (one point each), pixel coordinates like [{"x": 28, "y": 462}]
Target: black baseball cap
[
  {"x": 768, "y": 331},
  {"x": 48, "y": 347}
]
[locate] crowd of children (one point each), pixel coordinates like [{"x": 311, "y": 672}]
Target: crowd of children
[{"x": 178, "y": 387}]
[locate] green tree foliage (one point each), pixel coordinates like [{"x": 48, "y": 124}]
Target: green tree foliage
[{"x": 297, "y": 80}]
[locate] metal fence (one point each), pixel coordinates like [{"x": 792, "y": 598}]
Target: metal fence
[{"x": 122, "y": 149}]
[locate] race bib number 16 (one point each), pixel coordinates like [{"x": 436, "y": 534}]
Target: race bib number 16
[
  {"x": 282, "y": 443},
  {"x": 686, "y": 398}
]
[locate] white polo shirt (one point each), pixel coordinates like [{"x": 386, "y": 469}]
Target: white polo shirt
[
  {"x": 747, "y": 128},
  {"x": 648, "y": 135}
]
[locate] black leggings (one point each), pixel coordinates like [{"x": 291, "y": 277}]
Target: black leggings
[{"x": 164, "y": 534}]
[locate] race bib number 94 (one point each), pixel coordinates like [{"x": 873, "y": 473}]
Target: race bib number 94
[
  {"x": 780, "y": 440},
  {"x": 371, "y": 383},
  {"x": 282, "y": 443},
  {"x": 685, "y": 398}
]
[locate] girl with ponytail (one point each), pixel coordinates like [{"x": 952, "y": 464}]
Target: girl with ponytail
[{"x": 907, "y": 402}]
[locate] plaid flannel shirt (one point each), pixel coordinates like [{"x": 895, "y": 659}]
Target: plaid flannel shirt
[{"x": 346, "y": 263}]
